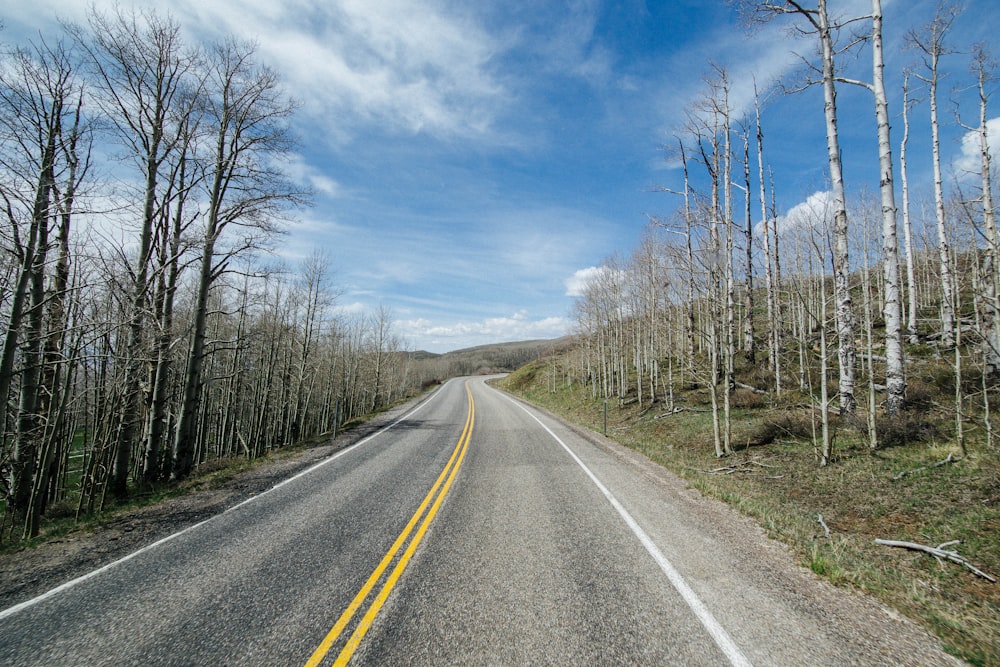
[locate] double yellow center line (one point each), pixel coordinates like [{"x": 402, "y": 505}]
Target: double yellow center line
[{"x": 433, "y": 500}]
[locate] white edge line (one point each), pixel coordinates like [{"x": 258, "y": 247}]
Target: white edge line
[
  {"x": 10, "y": 611},
  {"x": 714, "y": 628}
]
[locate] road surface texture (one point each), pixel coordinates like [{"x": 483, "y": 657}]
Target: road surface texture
[{"x": 473, "y": 531}]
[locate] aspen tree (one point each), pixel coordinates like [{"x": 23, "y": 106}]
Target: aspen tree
[
  {"x": 930, "y": 42},
  {"x": 982, "y": 66},
  {"x": 749, "y": 335},
  {"x": 61, "y": 347},
  {"x": 142, "y": 72},
  {"x": 818, "y": 18},
  {"x": 911, "y": 281},
  {"x": 173, "y": 223},
  {"x": 895, "y": 378},
  {"x": 689, "y": 319},
  {"x": 40, "y": 123},
  {"x": 248, "y": 115}
]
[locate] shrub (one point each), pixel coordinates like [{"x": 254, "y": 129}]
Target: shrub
[
  {"x": 785, "y": 424},
  {"x": 744, "y": 398},
  {"x": 905, "y": 428}
]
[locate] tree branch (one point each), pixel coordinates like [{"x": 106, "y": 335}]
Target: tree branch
[{"x": 938, "y": 552}]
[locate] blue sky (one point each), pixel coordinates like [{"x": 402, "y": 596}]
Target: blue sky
[{"x": 470, "y": 158}]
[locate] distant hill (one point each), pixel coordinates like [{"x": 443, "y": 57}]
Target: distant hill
[{"x": 483, "y": 359}]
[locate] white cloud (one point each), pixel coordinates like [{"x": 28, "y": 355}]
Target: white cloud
[
  {"x": 576, "y": 285},
  {"x": 406, "y": 65},
  {"x": 815, "y": 212},
  {"x": 969, "y": 163},
  {"x": 305, "y": 174},
  {"x": 353, "y": 308}
]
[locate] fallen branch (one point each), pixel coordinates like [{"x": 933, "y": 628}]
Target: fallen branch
[
  {"x": 739, "y": 466},
  {"x": 826, "y": 528},
  {"x": 753, "y": 390},
  {"x": 938, "y": 552},
  {"x": 949, "y": 459},
  {"x": 678, "y": 410},
  {"x": 725, "y": 470}
]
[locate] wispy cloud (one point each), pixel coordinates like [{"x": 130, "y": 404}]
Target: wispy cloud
[
  {"x": 311, "y": 177},
  {"x": 407, "y": 66}
]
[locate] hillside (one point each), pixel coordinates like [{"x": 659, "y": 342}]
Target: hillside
[{"x": 483, "y": 359}]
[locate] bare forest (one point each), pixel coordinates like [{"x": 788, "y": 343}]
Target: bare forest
[
  {"x": 869, "y": 297},
  {"x": 148, "y": 328}
]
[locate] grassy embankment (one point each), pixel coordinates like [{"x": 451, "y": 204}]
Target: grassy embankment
[{"x": 896, "y": 492}]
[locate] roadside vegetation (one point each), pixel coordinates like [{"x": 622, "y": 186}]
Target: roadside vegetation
[
  {"x": 831, "y": 370},
  {"x": 917, "y": 486}
]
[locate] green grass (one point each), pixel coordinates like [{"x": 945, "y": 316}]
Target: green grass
[{"x": 778, "y": 481}]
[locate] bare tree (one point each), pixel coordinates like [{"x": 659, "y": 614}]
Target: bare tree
[
  {"x": 40, "y": 120},
  {"x": 892, "y": 310},
  {"x": 983, "y": 65},
  {"x": 749, "y": 334},
  {"x": 819, "y": 23},
  {"x": 895, "y": 378},
  {"x": 143, "y": 80},
  {"x": 911, "y": 280},
  {"x": 244, "y": 188},
  {"x": 174, "y": 220},
  {"x": 771, "y": 276},
  {"x": 930, "y": 42},
  {"x": 315, "y": 273},
  {"x": 381, "y": 344}
]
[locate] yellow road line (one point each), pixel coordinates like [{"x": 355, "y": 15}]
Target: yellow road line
[{"x": 442, "y": 484}]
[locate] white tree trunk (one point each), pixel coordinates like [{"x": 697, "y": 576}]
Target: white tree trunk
[
  {"x": 991, "y": 315},
  {"x": 895, "y": 380},
  {"x": 911, "y": 281},
  {"x": 847, "y": 353},
  {"x": 944, "y": 249},
  {"x": 773, "y": 336}
]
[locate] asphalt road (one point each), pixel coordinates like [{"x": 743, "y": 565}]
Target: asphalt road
[{"x": 474, "y": 531}]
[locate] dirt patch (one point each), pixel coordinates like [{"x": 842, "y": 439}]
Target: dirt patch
[{"x": 30, "y": 572}]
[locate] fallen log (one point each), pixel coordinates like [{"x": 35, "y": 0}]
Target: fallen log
[
  {"x": 676, "y": 411},
  {"x": 938, "y": 552},
  {"x": 949, "y": 459}
]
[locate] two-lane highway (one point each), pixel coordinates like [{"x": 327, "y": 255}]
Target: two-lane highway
[{"x": 474, "y": 531}]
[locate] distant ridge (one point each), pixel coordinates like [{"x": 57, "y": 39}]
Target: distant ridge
[{"x": 484, "y": 359}]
